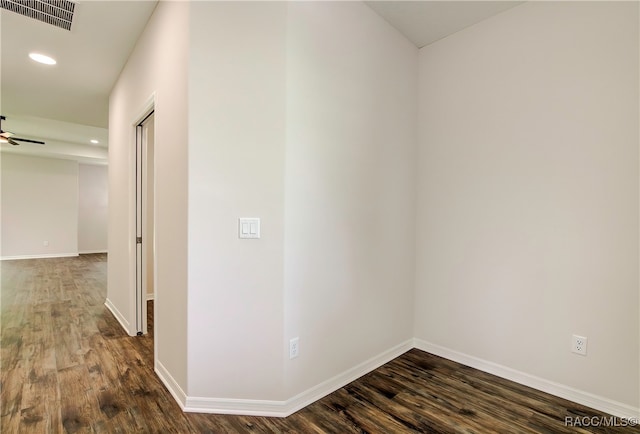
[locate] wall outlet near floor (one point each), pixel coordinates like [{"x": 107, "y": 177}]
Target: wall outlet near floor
[
  {"x": 293, "y": 348},
  {"x": 579, "y": 345}
]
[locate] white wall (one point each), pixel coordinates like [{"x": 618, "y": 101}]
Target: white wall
[
  {"x": 349, "y": 188},
  {"x": 236, "y": 169},
  {"x": 313, "y": 132},
  {"x": 157, "y": 66},
  {"x": 306, "y": 114},
  {"x": 528, "y": 194},
  {"x": 39, "y": 203},
  {"x": 93, "y": 198}
]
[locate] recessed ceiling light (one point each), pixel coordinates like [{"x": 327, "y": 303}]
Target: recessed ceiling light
[
  {"x": 94, "y": 141},
  {"x": 41, "y": 58}
]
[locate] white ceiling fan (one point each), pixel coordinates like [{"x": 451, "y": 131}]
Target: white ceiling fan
[{"x": 7, "y": 137}]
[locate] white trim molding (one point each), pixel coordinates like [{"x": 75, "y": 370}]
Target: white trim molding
[
  {"x": 290, "y": 406},
  {"x": 43, "y": 256},
  {"x": 331, "y": 385},
  {"x": 590, "y": 400},
  {"x": 91, "y": 252},
  {"x": 286, "y": 408},
  {"x": 248, "y": 407},
  {"x": 118, "y": 315},
  {"x": 171, "y": 384}
]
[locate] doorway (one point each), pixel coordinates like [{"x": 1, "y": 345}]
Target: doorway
[{"x": 145, "y": 217}]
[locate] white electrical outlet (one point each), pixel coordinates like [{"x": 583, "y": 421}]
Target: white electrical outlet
[
  {"x": 293, "y": 348},
  {"x": 579, "y": 345}
]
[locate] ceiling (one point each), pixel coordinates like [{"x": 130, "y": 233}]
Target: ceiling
[
  {"x": 425, "y": 22},
  {"x": 68, "y": 102}
]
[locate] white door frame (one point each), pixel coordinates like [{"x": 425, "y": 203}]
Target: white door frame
[{"x": 140, "y": 214}]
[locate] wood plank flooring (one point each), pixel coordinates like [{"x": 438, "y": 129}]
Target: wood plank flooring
[{"x": 67, "y": 367}]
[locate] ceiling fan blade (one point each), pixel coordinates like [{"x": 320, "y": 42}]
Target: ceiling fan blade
[
  {"x": 11, "y": 142},
  {"x": 27, "y": 140}
]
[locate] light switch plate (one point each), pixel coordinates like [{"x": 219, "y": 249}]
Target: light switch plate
[{"x": 249, "y": 227}]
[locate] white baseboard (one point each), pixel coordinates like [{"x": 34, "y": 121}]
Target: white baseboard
[
  {"x": 285, "y": 408},
  {"x": 246, "y": 407},
  {"x": 42, "y": 256},
  {"x": 290, "y": 406},
  {"x": 118, "y": 315},
  {"x": 91, "y": 252},
  {"x": 590, "y": 400},
  {"x": 323, "y": 389},
  {"x": 171, "y": 384}
]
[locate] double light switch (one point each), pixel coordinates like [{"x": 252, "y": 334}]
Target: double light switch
[{"x": 249, "y": 228}]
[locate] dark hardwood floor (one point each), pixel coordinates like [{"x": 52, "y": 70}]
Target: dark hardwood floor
[{"x": 67, "y": 366}]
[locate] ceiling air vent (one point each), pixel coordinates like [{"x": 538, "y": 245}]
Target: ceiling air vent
[{"x": 58, "y": 13}]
